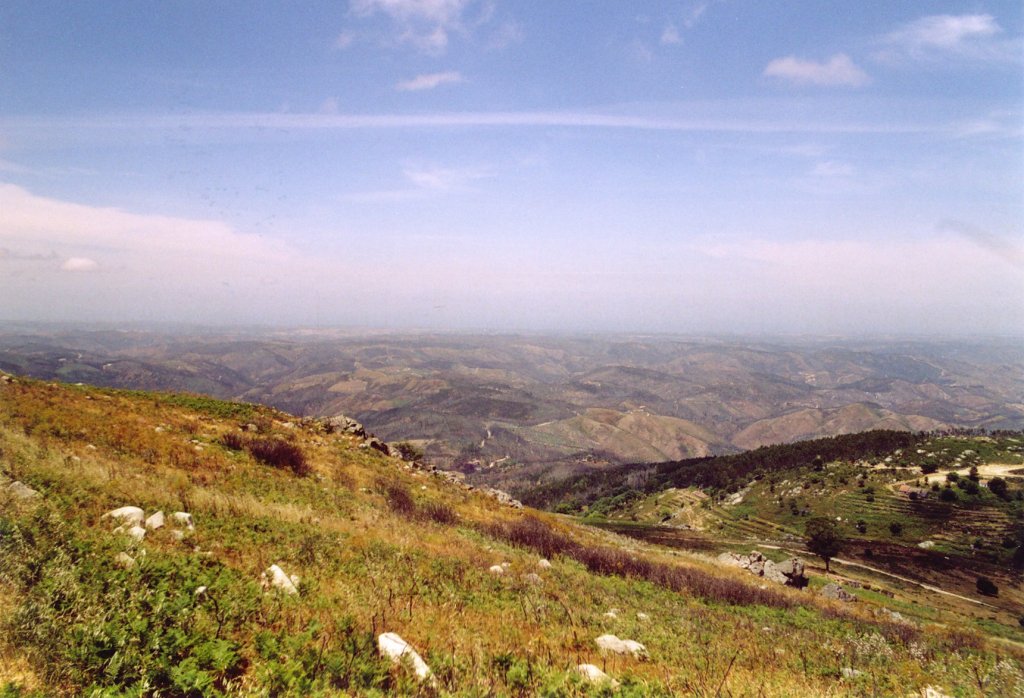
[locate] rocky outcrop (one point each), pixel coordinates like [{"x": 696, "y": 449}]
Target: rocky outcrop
[
  {"x": 788, "y": 572},
  {"x": 340, "y": 424},
  {"x": 834, "y": 591}
]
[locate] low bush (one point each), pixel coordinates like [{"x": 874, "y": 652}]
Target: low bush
[
  {"x": 529, "y": 532},
  {"x": 401, "y": 502},
  {"x": 273, "y": 452}
]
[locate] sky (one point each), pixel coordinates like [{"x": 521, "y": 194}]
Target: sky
[{"x": 729, "y": 166}]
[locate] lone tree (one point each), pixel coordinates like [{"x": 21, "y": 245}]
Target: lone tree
[{"x": 823, "y": 539}]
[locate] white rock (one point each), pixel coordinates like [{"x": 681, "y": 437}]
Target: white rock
[
  {"x": 183, "y": 518},
  {"x": 496, "y": 569},
  {"x": 178, "y": 535},
  {"x": 392, "y": 646},
  {"x": 642, "y": 616},
  {"x": 932, "y": 692},
  {"x": 19, "y": 490},
  {"x": 545, "y": 565},
  {"x": 612, "y": 613},
  {"x": 126, "y": 515},
  {"x": 594, "y": 675},
  {"x": 155, "y": 521},
  {"x": 851, "y": 673},
  {"x": 275, "y": 577},
  {"x": 506, "y": 565},
  {"x": 614, "y": 644},
  {"x": 124, "y": 560},
  {"x": 200, "y": 590},
  {"x": 926, "y": 544},
  {"x": 137, "y": 533}
]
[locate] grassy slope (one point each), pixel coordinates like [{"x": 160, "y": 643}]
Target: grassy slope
[
  {"x": 71, "y": 619},
  {"x": 967, "y": 535}
]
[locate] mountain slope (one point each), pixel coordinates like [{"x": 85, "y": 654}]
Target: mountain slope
[{"x": 377, "y": 545}]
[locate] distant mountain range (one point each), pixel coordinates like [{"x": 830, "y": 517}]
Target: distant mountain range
[{"x": 535, "y": 406}]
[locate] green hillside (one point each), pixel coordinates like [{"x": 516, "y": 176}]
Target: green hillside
[{"x": 379, "y": 545}]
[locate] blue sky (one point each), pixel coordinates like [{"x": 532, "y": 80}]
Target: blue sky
[{"x": 730, "y": 166}]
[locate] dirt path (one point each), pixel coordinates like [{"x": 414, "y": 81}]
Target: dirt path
[{"x": 908, "y": 580}]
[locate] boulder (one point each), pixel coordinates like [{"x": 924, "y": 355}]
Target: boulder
[
  {"x": 594, "y": 675},
  {"x": 132, "y": 516},
  {"x": 834, "y": 591},
  {"x": 544, "y": 564},
  {"x": 611, "y": 643},
  {"x": 392, "y": 646},
  {"x": 274, "y": 577},
  {"x": 496, "y": 570},
  {"x": 155, "y": 521}
]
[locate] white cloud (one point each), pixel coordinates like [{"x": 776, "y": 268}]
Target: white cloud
[
  {"x": 839, "y": 70},
  {"x": 423, "y": 23},
  {"x": 670, "y": 35},
  {"x": 429, "y": 81},
  {"x": 941, "y": 37},
  {"x": 444, "y": 178},
  {"x": 79, "y": 264}
]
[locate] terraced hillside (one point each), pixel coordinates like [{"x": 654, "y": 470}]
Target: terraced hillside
[
  {"x": 299, "y": 548},
  {"x": 942, "y": 530}
]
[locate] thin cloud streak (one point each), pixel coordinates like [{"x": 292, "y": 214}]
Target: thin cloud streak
[{"x": 568, "y": 119}]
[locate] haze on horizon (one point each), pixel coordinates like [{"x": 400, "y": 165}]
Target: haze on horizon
[{"x": 718, "y": 166}]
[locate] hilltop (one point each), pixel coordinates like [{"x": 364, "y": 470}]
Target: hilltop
[{"x": 372, "y": 544}]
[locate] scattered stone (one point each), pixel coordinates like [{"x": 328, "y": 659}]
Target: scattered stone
[
  {"x": 19, "y": 490},
  {"x": 544, "y": 564},
  {"x": 926, "y": 544},
  {"x": 496, "y": 570},
  {"x": 200, "y": 590},
  {"x": 183, "y": 518},
  {"x": 932, "y": 692},
  {"x": 594, "y": 675},
  {"x": 612, "y": 643},
  {"x": 612, "y": 614},
  {"x": 851, "y": 673},
  {"x": 834, "y": 591},
  {"x": 155, "y": 521},
  {"x": 126, "y": 515},
  {"x": 124, "y": 561},
  {"x": 642, "y": 616},
  {"x": 392, "y": 646},
  {"x": 136, "y": 532},
  {"x": 275, "y": 577}
]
